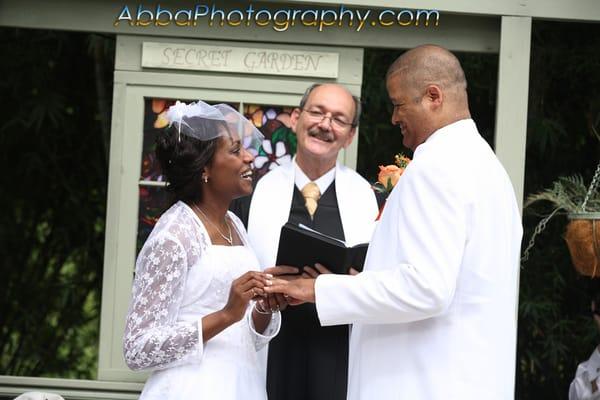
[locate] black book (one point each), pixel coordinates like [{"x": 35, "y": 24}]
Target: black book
[{"x": 300, "y": 246}]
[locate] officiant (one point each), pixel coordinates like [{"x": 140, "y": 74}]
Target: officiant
[{"x": 307, "y": 361}]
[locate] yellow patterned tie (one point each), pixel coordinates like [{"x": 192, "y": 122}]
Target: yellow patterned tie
[{"x": 311, "y": 194}]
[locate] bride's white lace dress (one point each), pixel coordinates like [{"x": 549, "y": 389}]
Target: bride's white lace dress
[{"x": 181, "y": 277}]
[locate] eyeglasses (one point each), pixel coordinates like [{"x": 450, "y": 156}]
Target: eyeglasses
[{"x": 336, "y": 122}]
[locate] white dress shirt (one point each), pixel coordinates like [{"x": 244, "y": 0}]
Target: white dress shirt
[
  {"x": 323, "y": 182},
  {"x": 582, "y": 387},
  {"x": 434, "y": 311}
]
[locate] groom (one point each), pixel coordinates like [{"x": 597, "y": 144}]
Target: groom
[{"x": 434, "y": 311}]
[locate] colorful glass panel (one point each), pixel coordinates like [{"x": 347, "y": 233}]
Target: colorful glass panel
[
  {"x": 279, "y": 145},
  {"x": 153, "y": 200}
]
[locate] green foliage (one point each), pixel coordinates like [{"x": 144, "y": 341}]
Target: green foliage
[
  {"x": 378, "y": 140},
  {"x": 556, "y": 331},
  {"x": 53, "y": 153},
  {"x": 567, "y": 193}
]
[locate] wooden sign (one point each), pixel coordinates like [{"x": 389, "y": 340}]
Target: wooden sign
[{"x": 240, "y": 59}]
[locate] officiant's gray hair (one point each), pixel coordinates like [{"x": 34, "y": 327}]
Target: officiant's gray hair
[{"x": 357, "y": 105}]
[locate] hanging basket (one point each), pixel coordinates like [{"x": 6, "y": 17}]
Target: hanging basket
[
  {"x": 583, "y": 230},
  {"x": 583, "y": 239}
]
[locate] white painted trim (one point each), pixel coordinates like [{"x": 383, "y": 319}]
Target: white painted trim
[{"x": 511, "y": 106}]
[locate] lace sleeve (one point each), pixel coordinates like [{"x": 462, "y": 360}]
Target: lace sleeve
[
  {"x": 262, "y": 339},
  {"x": 153, "y": 336}
]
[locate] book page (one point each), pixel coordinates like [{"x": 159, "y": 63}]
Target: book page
[{"x": 322, "y": 234}]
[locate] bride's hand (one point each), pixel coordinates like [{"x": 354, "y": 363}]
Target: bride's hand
[{"x": 243, "y": 289}]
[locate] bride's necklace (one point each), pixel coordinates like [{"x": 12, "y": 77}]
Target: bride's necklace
[{"x": 229, "y": 238}]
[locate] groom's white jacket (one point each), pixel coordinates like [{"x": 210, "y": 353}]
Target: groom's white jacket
[
  {"x": 434, "y": 311},
  {"x": 272, "y": 200}
]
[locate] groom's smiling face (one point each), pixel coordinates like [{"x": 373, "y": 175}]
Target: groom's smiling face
[{"x": 411, "y": 113}]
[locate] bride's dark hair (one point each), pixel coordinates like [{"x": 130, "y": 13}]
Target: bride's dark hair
[{"x": 182, "y": 159}]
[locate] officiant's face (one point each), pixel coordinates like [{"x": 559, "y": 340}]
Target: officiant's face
[{"x": 324, "y": 126}]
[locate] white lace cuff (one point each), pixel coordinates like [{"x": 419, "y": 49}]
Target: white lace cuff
[{"x": 261, "y": 339}]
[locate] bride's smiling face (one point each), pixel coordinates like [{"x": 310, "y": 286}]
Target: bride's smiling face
[{"x": 230, "y": 171}]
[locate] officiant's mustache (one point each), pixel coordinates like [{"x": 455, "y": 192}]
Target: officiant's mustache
[{"x": 326, "y": 136}]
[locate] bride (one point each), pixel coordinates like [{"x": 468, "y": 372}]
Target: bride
[{"x": 190, "y": 320}]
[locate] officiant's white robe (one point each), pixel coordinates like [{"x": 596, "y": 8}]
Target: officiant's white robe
[
  {"x": 434, "y": 311},
  {"x": 271, "y": 204},
  {"x": 272, "y": 200}
]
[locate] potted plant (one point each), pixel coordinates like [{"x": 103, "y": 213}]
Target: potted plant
[{"x": 582, "y": 206}]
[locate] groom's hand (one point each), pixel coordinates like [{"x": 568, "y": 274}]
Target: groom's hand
[
  {"x": 297, "y": 291},
  {"x": 277, "y": 301}
]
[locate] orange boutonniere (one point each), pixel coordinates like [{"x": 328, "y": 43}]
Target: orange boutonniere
[{"x": 389, "y": 175}]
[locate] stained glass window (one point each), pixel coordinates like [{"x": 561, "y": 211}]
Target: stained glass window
[
  {"x": 153, "y": 198},
  {"x": 279, "y": 144}
]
